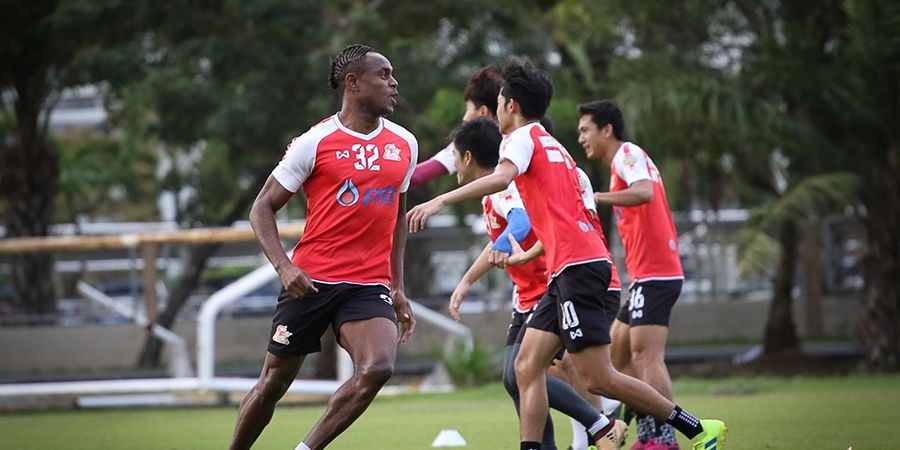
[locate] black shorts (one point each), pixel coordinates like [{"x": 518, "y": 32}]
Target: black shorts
[
  {"x": 516, "y": 326},
  {"x": 650, "y": 302},
  {"x": 577, "y": 308},
  {"x": 298, "y": 325}
]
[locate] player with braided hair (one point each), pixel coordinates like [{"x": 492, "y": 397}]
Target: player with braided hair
[{"x": 347, "y": 270}]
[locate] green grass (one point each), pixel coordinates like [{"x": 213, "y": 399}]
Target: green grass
[{"x": 780, "y": 413}]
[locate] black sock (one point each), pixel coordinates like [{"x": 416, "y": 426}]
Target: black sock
[
  {"x": 684, "y": 422},
  {"x": 530, "y": 445}
]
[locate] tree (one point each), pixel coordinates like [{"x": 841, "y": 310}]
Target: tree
[{"x": 41, "y": 44}]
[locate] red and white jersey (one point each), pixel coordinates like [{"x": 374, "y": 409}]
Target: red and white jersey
[
  {"x": 549, "y": 186},
  {"x": 531, "y": 278},
  {"x": 648, "y": 231},
  {"x": 352, "y": 182},
  {"x": 445, "y": 158},
  {"x": 587, "y": 196}
]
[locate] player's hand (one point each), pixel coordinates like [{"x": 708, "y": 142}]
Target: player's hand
[
  {"x": 600, "y": 199},
  {"x": 456, "y": 299},
  {"x": 517, "y": 257},
  {"x": 420, "y": 214},
  {"x": 498, "y": 258},
  {"x": 405, "y": 317},
  {"x": 296, "y": 282}
]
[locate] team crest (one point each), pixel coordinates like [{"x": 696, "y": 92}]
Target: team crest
[
  {"x": 391, "y": 152},
  {"x": 282, "y": 334}
]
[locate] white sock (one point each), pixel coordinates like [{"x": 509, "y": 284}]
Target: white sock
[
  {"x": 600, "y": 424},
  {"x": 609, "y": 405},
  {"x": 579, "y": 435},
  {"x": 302, "y": 446}
]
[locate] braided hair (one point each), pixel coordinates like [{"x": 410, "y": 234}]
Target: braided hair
[{"x": 348, "y": 60}]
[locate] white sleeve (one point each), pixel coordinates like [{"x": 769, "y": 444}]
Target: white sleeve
[
  {"x": 587, "y": 190},
  {"x": 631, "y": 164},
  {"x": 507, "y": 200},
  {"x": 518, "y": 148},
  {"x": 298, "y": 162},
  {"x": 413, "y": 159},
  {"x": 445, "y": 158}
]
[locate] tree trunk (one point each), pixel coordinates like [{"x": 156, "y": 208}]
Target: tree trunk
[
  {"x": 812, "y": 279},
  {"x": 781, "y": 332},
  {"x": 29, "y": 175},
  {"x": 881, "y": 267},
  {"x": 199, "y": 256}
]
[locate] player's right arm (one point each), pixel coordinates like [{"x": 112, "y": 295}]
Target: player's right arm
[
  {"x": 480, "y": 267},
  {"x": 272, "y": 197},
  {"x": 503, "y": 174}
]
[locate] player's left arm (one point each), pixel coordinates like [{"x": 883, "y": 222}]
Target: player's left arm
[
  {"x": 405, "y": 315},
  {"x": 503, "y": 174},
  {"x": 637, "y": 193}
]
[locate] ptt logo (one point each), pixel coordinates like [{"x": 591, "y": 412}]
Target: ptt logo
[{"x": 348, "y": 195}]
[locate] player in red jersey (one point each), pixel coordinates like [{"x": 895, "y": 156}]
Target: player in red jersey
[
  {"x": 481, "y": 101},
  {"x": 638, "y": 196},
  {"x": 347, "y": 270},
  {"x": 573, "y": 313},
  {"x": 476, "y": 144}
]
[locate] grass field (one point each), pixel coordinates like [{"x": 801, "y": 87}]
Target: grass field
[{"x": 762, "y": 413}]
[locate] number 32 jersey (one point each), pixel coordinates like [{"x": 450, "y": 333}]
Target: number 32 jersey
[{"x": 352, "y": 182}]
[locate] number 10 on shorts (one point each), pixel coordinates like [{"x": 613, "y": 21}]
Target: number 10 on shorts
[{"x": 636, "y": 303}]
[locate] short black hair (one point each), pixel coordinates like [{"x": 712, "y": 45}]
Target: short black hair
[
  {"x": 528, "y": 86},
  {"x": 348, "y": 60},
  {"x": 483, "y": 88},
  {"x": 481, "y": 137},
  {"x": 605, "y": 112}
]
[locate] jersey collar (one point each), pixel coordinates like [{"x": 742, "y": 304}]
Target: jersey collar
[{"x": 357, "y": 134}]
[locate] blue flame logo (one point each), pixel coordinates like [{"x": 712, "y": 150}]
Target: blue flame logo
[{"x": 347, "y": 195}]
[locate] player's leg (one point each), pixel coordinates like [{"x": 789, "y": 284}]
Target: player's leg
[
  {"x": 620, "y": 348},
  {"x": 297, "y": 329},
  {"x": 258, "y": 404},
  {"x": 653, "y": 302},
  {"x": 536, "y": 353},
  {"x": 548, "y": 441},
  {"x": 372, "y": 344},
  {"x": 366, "y": 326}
]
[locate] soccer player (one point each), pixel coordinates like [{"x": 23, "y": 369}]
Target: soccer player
[
  {"x": 563, "y": 367},
  {"x": 476, "y": 145},
  {"x": 347, "y": 269},
  {"x": 638, "y": 196},
  {"x": 573, "y": 312},
  {"x": 481, "y": 101}
]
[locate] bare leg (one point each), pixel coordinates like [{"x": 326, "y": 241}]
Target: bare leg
[
  {"x": 595, "y": 369},
  {"x": 648, "y": 352},
  {"x": 621, "y": 348},
  {"x": 258, "y": 405},
  {"x": 535, "y": 355},
  {"x": 372, "y": 345}
]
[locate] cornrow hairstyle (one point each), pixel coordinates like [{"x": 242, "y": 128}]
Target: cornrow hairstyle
[
  {"x": 483, "y": 88},
  {"x": 527, "y": 85},
  {"x": 348, "y": 60}
]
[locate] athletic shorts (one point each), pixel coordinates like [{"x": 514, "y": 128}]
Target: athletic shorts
[
  {"x": 298, "y": 324},
  {"x": 516, "y": 326},
  {"x": 577, "y": 308},
  {"x": 650, "y": 302}
]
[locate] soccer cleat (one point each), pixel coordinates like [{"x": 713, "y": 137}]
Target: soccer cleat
[
  {"x": 615, "y": 438},
  {"x": 712, "y": 437}
]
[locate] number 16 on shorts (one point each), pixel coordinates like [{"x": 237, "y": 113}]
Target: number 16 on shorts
[{"x": 636, "y": 303}]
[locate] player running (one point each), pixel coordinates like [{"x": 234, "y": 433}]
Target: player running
[
  {"x": 573, "y": 313},
  {"x": 347, "y": 270},
  {"x": 476, "y": 144},
  {"x": 638, "y": 196}
]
